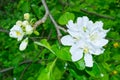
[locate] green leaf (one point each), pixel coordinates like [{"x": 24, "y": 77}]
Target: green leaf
[
  {"x": 45, "y": 44},
  {"x": 94, "y": 71},
  {"x": 80, "y": 64},
  {"x": 77, "y": 76},
  {"x": 24, "y": 6},
  {"x": 53, "y": 71},
  {"x": 118, "y": 68},
  {"x": 62, "y": 53},
  {"x": 65, "y": 18}
]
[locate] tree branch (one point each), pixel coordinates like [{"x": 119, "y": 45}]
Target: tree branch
[
  {"x": 41, "y": 20},
  {"x": 4, "y": 30},
  {"x": 96, "y": 14},
  {"x": 57, "y": 27},
  {"x": 10, "y": 68}
]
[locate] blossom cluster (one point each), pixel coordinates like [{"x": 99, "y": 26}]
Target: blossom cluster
[
  {"x": 86, "y": 39},
  {"x": 21, "y": 29}
]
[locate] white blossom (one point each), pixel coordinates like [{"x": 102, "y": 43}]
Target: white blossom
[
  {"x": 85, "y": 38},
  {"x": 23, "y": 44},
  {"x": 16, "y": 32},
  {"x": 29, "y": 29}
]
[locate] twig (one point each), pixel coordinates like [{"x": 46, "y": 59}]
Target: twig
[
  {"x": 10, "y": 68},
  {"x": 49, "y": 34},
  {"x": 57, "y": 27},
  {"x": 41, "y": 20},
  {"x": 24, "y": 71},
  {"x": 117, "y": 40},
  {"x": 7, "y": 69},
  {"x": 96, "y": 14},
  {"x": 4, "y": 30}
]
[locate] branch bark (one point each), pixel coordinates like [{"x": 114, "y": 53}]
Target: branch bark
[
  {"x": 96, "y": 14},
  {"x": 10, "y": 68},
  {"x": 57, "y": 27},
  {"x": 41, "y": 20}
]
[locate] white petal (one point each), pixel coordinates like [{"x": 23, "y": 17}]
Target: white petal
[
  {"x": 67, "y": 40},
  {"x": 72, "y": 26},
  {"x": 20, "y": 37},
  {"x": 74, "y": 33},
  {"x": 79, "y": 22},
  {"x": 85, "y": 21},
  {"x": 101, "y": 42},
  {"x": 97, "y": 50},
  {"x": 99, "y": 24},
  {"x": 29, "y": 29},
  {"x": 76, "y": 53},
  {"x": 88, "y": 60},
  {"x": 24, "y": 44}
]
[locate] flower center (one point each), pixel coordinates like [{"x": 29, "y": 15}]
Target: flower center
[
  {"x": 18, "y": 33},
  {"x": 84, "y": 29},
  {"x": 86, "y": 50}
]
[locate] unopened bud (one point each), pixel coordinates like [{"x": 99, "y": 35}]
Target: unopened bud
[
  {"x": 19, "y": 23},
  {"x": 26, "y": 16},
  {"x": 23, "y": 44}
]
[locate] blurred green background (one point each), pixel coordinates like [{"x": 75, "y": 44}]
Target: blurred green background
[{"x": 35, "y": 62}]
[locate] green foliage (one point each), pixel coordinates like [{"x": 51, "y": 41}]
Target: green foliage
[
  {"x": 48, "y": 59},
  {"x": 65, "y": 18}
]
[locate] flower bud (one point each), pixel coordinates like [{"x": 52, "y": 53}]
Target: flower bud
[
  {"x": 19, "y": 23},
  {"x": 23, "y": 44},
  {"x": 29, "y": 29},
  {"x": 26, "y": 16},
  {"x": 25, "y": 23}
]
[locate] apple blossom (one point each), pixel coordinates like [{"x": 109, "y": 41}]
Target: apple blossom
[
  {"x": 85, "y": 38},
  {"x": 16, "y": 32}
]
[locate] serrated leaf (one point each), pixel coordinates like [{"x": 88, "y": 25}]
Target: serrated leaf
[{"x": 65, "y": 18}]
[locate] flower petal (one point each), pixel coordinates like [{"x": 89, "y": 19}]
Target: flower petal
[
  {"x": 76, "y": 53},
  {"x": 101, "y": 42},
  {"x": 85, "y": 20},
  {"x": 74, "y": 33},
  {"x": 67, "y": 40},
  {"x": 88, "y": 60},
  {"x": 29, "y": 29}
]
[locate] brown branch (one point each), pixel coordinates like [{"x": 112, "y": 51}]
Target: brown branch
[
  {"x": 7, "y": 69},
  {"x": 25, "y": 69},
  {"x": 10, "y": 68},
  {"x": 96, "y": 14},
  {"x": 116, "y": 40},
  {"x": 4, "y": 30},
  {"x": 57, "y": 27},
  {"x": 41, "y": 20}
]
